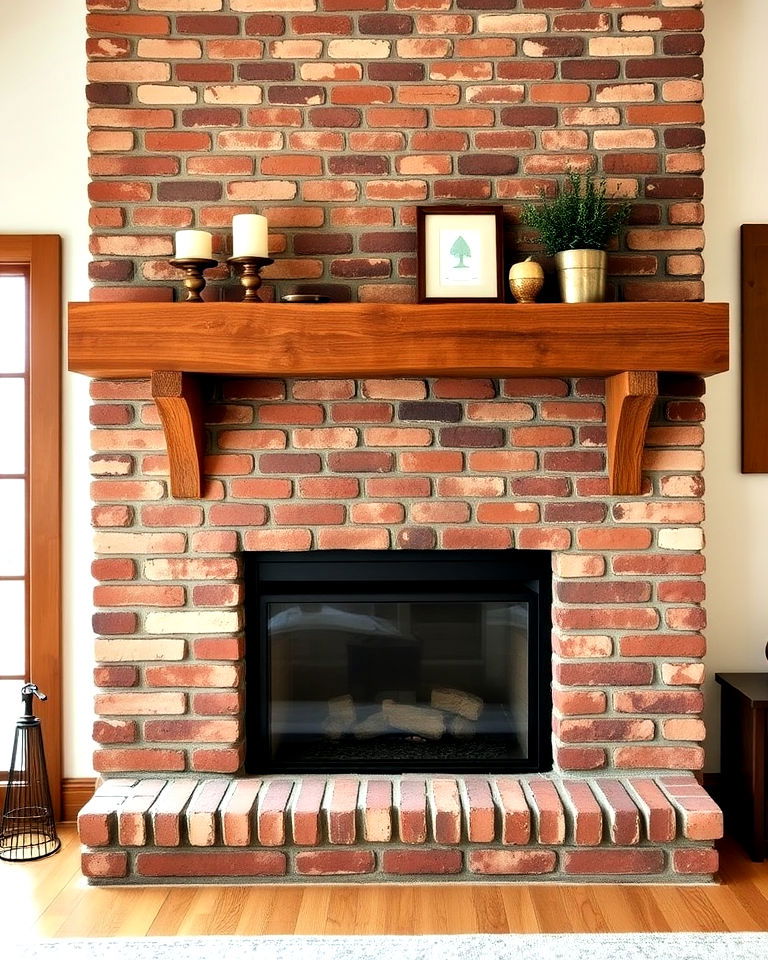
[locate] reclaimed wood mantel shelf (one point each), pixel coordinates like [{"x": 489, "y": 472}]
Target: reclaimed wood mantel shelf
[{"x": 628, "y": 343}]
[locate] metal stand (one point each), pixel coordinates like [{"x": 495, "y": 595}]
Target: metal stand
[
  {"x": 27, "y": 829},
  {"x": 250, "y": 275},
  {"x": 194, "y": 280}
]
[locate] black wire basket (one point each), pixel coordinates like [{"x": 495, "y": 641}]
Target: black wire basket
[{"x": 28, "y": 828}]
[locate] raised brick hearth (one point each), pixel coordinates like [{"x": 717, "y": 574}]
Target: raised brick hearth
[
  {"x": 399, "y": 464},
  {"x": 474, "y": 828}
]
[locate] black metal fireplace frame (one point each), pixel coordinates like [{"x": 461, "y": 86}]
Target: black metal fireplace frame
[{"x": 347, "y": 575}]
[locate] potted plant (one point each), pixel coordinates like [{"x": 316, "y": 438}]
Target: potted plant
[{"x": 575, "y": 226}]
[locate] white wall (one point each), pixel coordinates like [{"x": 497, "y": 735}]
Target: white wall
[
  {"x": 43, "y": 189},
  {"x": 43, "y": 184},
  {"x": 736, "y": 76}
]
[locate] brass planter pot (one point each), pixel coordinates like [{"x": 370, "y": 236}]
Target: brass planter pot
[{"x": 582, "y": 275}]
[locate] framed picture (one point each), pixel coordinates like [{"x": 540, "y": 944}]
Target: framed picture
[{"x": 460, "y": 254}]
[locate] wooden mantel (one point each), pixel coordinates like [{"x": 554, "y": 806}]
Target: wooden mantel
[{"x": 628, "y": 343}]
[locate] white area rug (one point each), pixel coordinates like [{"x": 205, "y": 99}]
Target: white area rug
[{"x": 629, "y": 946}]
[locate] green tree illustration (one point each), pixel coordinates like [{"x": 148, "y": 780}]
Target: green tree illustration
[{"x": 460, "y": 250}]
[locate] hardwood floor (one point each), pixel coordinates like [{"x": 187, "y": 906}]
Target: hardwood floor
[{"x": 50, "y": 899}]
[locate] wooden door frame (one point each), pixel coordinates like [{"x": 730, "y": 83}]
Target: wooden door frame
[{"x": 40, "y": 254}]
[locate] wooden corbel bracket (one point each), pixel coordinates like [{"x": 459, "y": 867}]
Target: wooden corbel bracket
[
  {"x": 177, "y": 396},
  {"x": 629, "y": 400}
]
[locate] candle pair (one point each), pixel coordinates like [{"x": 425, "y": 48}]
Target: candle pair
[{"x": 249, "y": 239}]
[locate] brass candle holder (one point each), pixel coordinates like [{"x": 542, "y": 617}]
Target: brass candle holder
[
  {"x": 250, "y": 277},
  {"x": 194, "y": 280}
]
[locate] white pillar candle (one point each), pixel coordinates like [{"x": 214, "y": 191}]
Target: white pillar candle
[
  {"x": 194, "y": 245},
  {"x": 249, "y": 235}
]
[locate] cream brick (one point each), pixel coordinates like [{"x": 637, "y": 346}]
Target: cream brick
[
  {"x": 579, "y": 565},
  {"x": 139, "y": 542},
  {"x": 627, "y": 93},
  {"x": 685, "y": 728},
  {"x": 233, "y": 93},
  {"x": 683, "y": 674},
  {"x": 640, "y": 23},
  {"x": 141, "y": 704},
  {"x": 193, "y": 621},
  {"x": 129, "y": 649},
  {"x": 681, "y": 538},
  {"x": 624, "y": 139},
  {"x": 182, "y": 6},
  {"x": 504, "y": 24},
  {"x": 355, "y": 49},
  {"x": 169, "y": 49},
  {"x": 683, "y": 91},
  {"x": 272, "y": 6},
  {"x": 128, "y": 71},
  {"x": 296, "y": 49},
  {"x": 191, "y": 568},
  {"x": 165, "y": 93},
  {"x": 621, "y": 47}
]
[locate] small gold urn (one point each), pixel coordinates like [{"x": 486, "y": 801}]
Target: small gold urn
[{"x": 526, "y": 279}]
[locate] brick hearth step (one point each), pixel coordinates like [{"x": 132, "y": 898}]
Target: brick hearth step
[{"x": 151, "y": 830}]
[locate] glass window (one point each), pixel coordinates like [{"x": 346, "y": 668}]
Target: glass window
[{"x": 13, "y": 496}]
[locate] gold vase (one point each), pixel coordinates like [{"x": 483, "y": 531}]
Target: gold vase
[{"x": 582, "y": 275}]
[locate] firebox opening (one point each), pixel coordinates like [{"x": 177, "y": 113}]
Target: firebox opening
[{"x": 393, "y": 662}]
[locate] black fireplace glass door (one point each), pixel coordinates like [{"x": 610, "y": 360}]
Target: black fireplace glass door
[
  {"x": 394, "y": 663},
  {"x": 353, "y": 680}
]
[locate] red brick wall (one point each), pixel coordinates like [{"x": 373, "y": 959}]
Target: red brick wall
[
  {"x": 335, "y": 117},
  {"x": 398, "y": 464}
]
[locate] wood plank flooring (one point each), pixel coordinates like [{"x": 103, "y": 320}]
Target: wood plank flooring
[{"x": 51, "y": 899}]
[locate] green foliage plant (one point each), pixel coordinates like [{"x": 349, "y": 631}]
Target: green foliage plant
[{"x": 579, "y": 217}]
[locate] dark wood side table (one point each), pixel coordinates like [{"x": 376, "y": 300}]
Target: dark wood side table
[{"x": 744, "y": 742}]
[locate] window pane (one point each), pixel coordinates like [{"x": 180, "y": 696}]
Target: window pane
[
  {"x": 12, "y": 459},
  {"x": 13, "y": 324},
  {"x": 11, "y": 708},
  {"x": 12, "y": 652},
  {"x": 12, "y": 528}
]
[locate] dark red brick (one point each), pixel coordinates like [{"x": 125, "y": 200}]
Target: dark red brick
[
  {"x": 108, "y": 93},
  {"x": 335, "y": 117},
  {"x": 361, "y": 164},
  {"x": 472, "y": 437},
  {"x": 488, "y": 165},
  {"x": 208, "y": 25},
  {"x": 385, "y": 24},
  {"x": 266, "y": 71},
  {"x": 663, "y": 67},
  {"x": 113, "y": 624},
  {"x": 527, "y": 116},
  {"x": 264, "y": 25},
  {"x": 426, "y": 410},
  {"x": 211, "y": 117},
  {"x": 322, "y": 243},
  {"x": 398, "y": 72},
  {"x": 277, "y": 93}
]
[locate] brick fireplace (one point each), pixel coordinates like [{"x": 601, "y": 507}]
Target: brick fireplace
[
  {"x": 333, "y": 118},
  {"x": 398, "y": 465}
]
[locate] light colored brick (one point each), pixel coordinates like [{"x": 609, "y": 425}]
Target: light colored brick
[
  {"x": 193, "y": 621},
  {"x": 129, "y": 649},
  {"x": 681, "y": 538},
  {"x": 140, "y": 704}
]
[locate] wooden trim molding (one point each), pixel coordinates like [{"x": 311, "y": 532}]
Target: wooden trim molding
[
  {"x": 75, "y": 793},
  {"x": 628, "y": 343},
  {"x": 41, "y": 254},
  {"x": 754, "y": 347}
]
